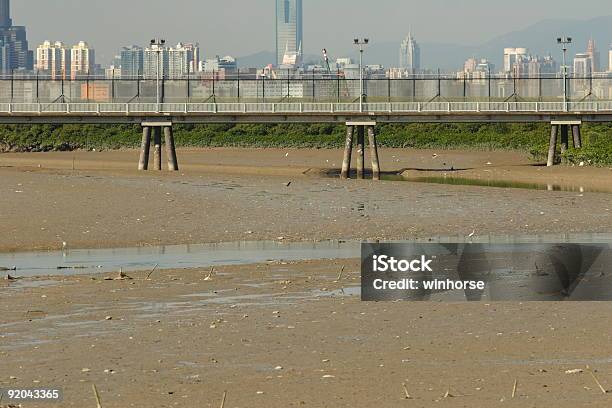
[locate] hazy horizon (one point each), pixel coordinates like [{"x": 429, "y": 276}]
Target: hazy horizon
[{"x": 242, "y": 27}]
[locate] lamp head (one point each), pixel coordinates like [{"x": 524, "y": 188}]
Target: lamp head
[
  {"x": 367, "y": 40},
  {"x": 356, "y": 40}
]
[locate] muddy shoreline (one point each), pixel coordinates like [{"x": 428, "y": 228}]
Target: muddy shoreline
[
  {"x": 287, "y": 333},
  {"x": 224, "y": 195}
]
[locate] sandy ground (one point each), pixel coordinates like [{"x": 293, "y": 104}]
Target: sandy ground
[
  {"x": 282, "y": 335},
  {"x": 238, "y": 194}
]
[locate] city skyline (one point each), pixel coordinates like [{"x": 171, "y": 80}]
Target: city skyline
[
  {"x": 288, "y": 44},
  {"x": 323, "y": 28}
]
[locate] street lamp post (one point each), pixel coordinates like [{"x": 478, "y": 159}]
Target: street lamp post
[
  {"x": 361, "y": 44},
  {"x": 157, "y": 45},
  {"x": 564, "y": 42}
]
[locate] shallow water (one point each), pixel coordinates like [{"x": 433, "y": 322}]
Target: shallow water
[
  {"x": 463, "y": 181},
  {"x": 86, "y": 261}
]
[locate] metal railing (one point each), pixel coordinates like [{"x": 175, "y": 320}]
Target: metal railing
[
  {"x": 290, "y": 108},
  {"x": 291, "y": 89}
]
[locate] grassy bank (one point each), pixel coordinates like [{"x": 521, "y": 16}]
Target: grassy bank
[{"x": 532, "y": 138}]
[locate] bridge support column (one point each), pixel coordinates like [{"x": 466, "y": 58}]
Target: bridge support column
[
  {"x": 157, "y": 148},
  {"x": 360, "y": 152},
  {"x": 374, "y": 153},
  {"x": 564, "y": 140},
  {"x": 577, "y": 136},
  {"x": 552, "y": 147},
  {"x": 348, "y": 152},
  {"x": 143, "y": 163},
  {"x": 357, "y": 130},
  {"x": 170, "y": 149}
]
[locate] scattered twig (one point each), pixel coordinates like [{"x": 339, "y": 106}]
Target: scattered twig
[
  {"x": 406, "y": 393},
  {"x": 340, "y": 274},
  {"x": 152, "y": 270},
  {"x": 514, "y": 388},
  {"x": 603, "y": 390},
  {"x": 448, "y": 393},
  {"x": 223, "y": 400},
  {"x": 209, "y": 277},
  {"x": 95, "y": 391}
]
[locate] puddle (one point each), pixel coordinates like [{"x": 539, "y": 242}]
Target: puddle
[
  {"x": 86, "y": 261},
  {"x": 463, "y": 181}
]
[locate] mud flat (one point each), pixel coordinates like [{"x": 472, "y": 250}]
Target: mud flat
[
  {"x": 285, "y": 333},
  {"x": 98, "y": 200},
  {"x": 282, "y": 334}
]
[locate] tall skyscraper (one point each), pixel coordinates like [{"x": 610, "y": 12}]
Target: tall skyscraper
[
  {"x": 14, "y": 52},
  {"x": 289, "y": 28},
  {"x": 5, "y": 13},
  {"x": 53, "y": 59},
  {"x": 132, "y": 62},
  {"x": 82, "y": 60},
  {"x": 610, "y": 59},
  {"x": 594, "y": 55},
  {"x": 410, "y": 55}
]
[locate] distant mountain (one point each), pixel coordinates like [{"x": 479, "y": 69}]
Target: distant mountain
[
  {"x": 258, "y": 60},
  {"x": 539, "y": 38}
]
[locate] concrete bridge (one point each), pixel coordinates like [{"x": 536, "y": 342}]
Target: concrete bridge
[{"x": 158, "y": 105}]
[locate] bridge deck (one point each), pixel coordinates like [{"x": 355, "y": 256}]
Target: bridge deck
[{"x": 321, "y": 112}]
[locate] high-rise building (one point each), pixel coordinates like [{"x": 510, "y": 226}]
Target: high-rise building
[
  {"x": 582, "y": 65},
  {"x": 183, "y": 60},
  {"x": 5, "y": 13},
  {"x": 289, "y": 28},
  {"x": 594, "y": 55},
  {"x": 14, "y": 52},
  {"x": 156, "y": 60},
  {"x": 82, "y": 60},
  {"x": 174, "y": 62},
  {"x": 132, "y": 62},
  {"x": 53, "y": 59},
  {"x": 610, "y": 59},
  {"x": 513, "y": 55},
  {"x": 410, "y": 55}
]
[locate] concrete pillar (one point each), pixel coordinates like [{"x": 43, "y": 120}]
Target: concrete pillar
[
  {"x": 552, "y": 147},
  {"x": 577, "y": 136},
  {"x": 374, "y": 153},
  {"x": 348, "y": 151},
  {"x": 170, "y": 149},
  {"x": 143, "y": 163},
  {"x": 360, "y": 152},
  {"x": 157, "y": 148},
  {"x": 564, "y": 138}
]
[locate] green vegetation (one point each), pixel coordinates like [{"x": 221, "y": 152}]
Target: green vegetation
[{"x": 533, "y": 138}]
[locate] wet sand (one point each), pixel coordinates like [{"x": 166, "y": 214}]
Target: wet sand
[
  {"x": 281, "y": 335},
  {"x": 239, "y": 194},
  {"x": 284, "y": 334}
]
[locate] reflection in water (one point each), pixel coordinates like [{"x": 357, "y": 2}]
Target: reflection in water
[
  {"x": 462, "y": 181},
  {"x": 86, "y": 261}
]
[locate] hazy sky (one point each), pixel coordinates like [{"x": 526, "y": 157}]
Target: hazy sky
[{"x": 242, "y": 27}]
